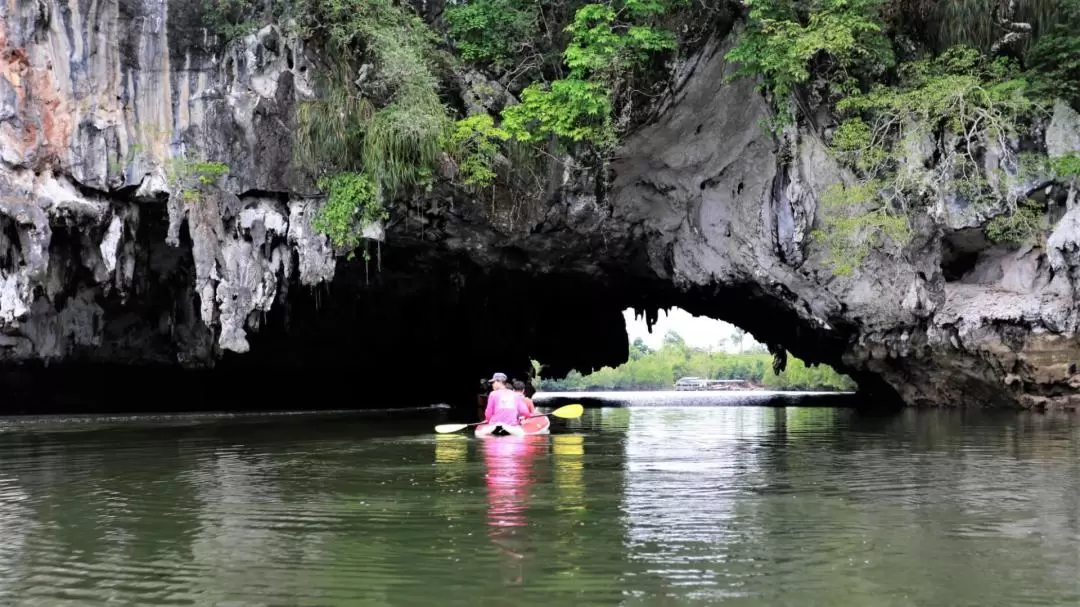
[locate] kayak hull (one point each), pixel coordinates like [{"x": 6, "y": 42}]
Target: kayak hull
[{"x": 533, "y": 426}]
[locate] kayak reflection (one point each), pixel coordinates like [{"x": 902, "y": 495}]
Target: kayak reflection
[
  {"x": 509, "y": 462},
  {"x": 569, "y": 453}
]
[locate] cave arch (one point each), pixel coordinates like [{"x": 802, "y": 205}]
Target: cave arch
[
  {"x": 422, "y": 329},
  {"x": 117, "y": 295}
]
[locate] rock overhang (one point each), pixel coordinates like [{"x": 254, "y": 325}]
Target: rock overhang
[{"x": 700, "y": 209}]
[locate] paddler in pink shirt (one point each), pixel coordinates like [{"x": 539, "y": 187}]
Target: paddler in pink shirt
[{"x": 504, "y": 407}]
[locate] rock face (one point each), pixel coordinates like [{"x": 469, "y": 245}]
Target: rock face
[{"x": 114, "y": 278}]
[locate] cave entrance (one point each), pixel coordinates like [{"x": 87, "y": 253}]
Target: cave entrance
[
  {"x": 699, "y": 332},
  {"x": 680, "y": 350}
]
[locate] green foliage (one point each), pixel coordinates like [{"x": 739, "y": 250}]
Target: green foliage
[
  {"x": 1066, "y": 168},
  {"x": 606, "y": 45},
  {"x": 492, "y": 32},
  {"x": 781, "y": 40},
  {"x": 960, "y": 97},
  {"x": 960, "y": 92},
  {"x": 639, "y": 349},
  {"x": 855, "y": 142},
  {"x": 926, "y": 129},
  {"x": 402, "y": 144},
  {"x": 857, "y": 219},
  {"x": 536, "y": 367},
  {"x": 352, "y": 203},
  {"x": 1054, "y": 59},
  {"x": 797, "y": 375},
  {"x": 332, "y": 127},
  {"x": 649, "y": 369},
  {"x": 348, "y": 24},
  {"x": 232, "y": 19},
  {"x": 387, "y": 123},
  {"x": 1022, "y": 225},
  {"x": 229, "y": 18},
  {"x": 392, "y": 127},
  {"x": 476, "y": 142},
  {"x": 191, "y": 179},
  {"x": 1025, "y": 221},
  {"x": 573, "y": 109}
]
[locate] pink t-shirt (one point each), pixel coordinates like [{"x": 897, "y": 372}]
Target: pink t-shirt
[{"x": 504, "y": 406}]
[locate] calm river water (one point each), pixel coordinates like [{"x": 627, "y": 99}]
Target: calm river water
[{"x": 630, "y": 506}]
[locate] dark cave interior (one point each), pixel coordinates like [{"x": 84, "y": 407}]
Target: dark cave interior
[{"x": 411, "y": 327}]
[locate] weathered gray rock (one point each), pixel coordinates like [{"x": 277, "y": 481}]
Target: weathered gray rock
[
  {"x": 1063, "y": 132},
  {"x": 104, "y": 259}
]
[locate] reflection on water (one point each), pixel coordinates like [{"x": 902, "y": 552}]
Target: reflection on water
[
  {"x": 568, "y": 460},
  {"x": 645, "y": 506},
  {"x": 509, "y": 464}
]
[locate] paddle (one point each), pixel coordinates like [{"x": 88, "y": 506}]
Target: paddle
[{"x": 566, "y": 412}]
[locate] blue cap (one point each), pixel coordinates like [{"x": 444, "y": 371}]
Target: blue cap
[{"x": 498, "y": 377}]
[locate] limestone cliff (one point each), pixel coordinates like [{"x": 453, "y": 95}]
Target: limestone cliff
[{"x": 103, "y": 265}]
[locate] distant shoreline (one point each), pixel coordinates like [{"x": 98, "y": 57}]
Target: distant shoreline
[
  {"x": 751, "y": 388},
  {"x": 700, "y": 398}
]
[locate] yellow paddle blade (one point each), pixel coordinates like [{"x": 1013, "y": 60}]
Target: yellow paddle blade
[
  {"x": 568, "y": 411},
  {"x": 444, "y": 428}
]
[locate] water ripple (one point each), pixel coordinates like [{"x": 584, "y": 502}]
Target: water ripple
[{"x": 657, "y": 505}]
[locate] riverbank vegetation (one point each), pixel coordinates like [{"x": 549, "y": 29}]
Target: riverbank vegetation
[{"x": 649, "y": 369}]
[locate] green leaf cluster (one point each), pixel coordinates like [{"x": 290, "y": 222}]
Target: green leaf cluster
[
  {"x": 845, "y": 44},
  {"x": 476, "y": 141},
  {"x": 1023, "y": 224},
  {"x": 958, "y": 94},
  {"x": 231, "y": 19},
  {"x": 607, "y": 42},
  {"x": 574, "y": 109},
  {"x": 1054, "y": 59},
  {"x": 190, "y": 179},
  {"x": 951, "y": 92},
  {"x": 1066, "y": 168},
  {"x": 379, "y": 115},
  {"x": 493, "y": 33},
  {"x": 390, "y": 128},
  {"x": 1025, "y": 221},
  {"x": 961, "y": 97},
  {"x": 352, "y": 203},
  {"x": 783, "y": 39}
]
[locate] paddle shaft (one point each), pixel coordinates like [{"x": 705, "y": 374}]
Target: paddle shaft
[{"x": 567, "y": 411}]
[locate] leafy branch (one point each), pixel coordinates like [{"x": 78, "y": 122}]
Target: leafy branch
[
  {"x": 782, "y": 42},
  {"x": 606, "y": 44}
]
